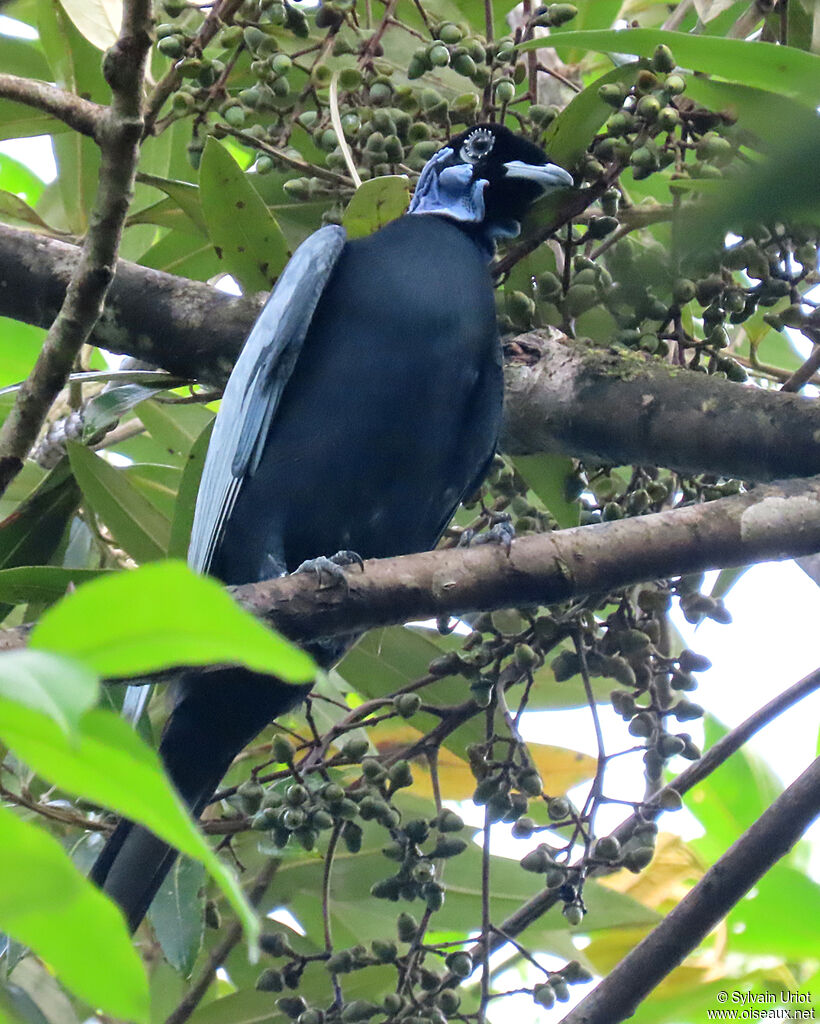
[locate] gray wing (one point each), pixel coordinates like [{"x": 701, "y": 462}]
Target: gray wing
[{"x": 256, "y": 385}]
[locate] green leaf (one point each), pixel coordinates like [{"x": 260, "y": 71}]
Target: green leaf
[
  {"x": 732, "y": 798},
  {"x": 547, "y": 476},
  {"x": 42, "y": 584},
  {"x": 779, "y": 918},
  {"x": 75, "y": 65},
  {"x": 161, "y": 616},
  {"x": 111, "y": 405},
  {"x": 98, "y": 21},
  {"x": 22, "y": 57},
  {"x": 244, "y": 233},
  {"x": 158, "y": 483},
  {"x": 184, "y": 254},
  {"x": 136, "y": 525},
  {"x": 375, "y": 203},
  {"x": 58, "y": 687},
  {"x": 48, "y": 905},
  {"x": 780, "y": 69},
  {"x": 33, "y": 531},
  {"x": 16, "y": 177},
  {"x": 18, "y": 121},
  {"x": 185, "y": 507},
  {"x": 177, "y": 914},
  {"x": 176, "y": 427},
  {"x": 105, "y": 761},
  {"x": 14, "y": 210},
  {"x": 183, "y": 194},
  {"x": 21, "y": 346},
  {"x": 569, "y": 135}
]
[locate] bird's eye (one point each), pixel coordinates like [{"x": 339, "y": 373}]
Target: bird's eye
[{"x": 477, "y": 145}]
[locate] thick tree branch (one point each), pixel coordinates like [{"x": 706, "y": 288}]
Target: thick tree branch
[
  {"x": 119, "y": 131},
  {"x": 724, "y": 884},
  {"x": 80, "y": 114},
  {"x": 774, "y": 521},
  {"x": 613, "y": 407},
  {"x": 622, "y": 408},
  {"x": 189, "y": 328}
]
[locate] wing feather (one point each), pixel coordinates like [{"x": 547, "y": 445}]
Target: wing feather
[{"x": 255, "y": 387}]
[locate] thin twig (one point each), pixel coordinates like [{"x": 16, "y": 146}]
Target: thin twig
[{"x": 80, "y": 114}]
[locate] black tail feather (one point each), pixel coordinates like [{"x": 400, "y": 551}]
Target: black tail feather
[{"x": 216, "y": 714}]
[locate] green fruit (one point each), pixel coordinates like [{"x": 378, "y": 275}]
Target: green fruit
[
  {"x": 460, "y": 964},
  {"x": 407, "y": 927},
  {"x": 560, "y": 14},
  {"x": 544, "y": 995},
  {"x": 548, "y": 286},
  {"x": 438, "y": 55},
  {"x": 612, "y": 94},
  {"x": 663, "y": 59},
  {"x": 668, "y": 118},
  {"x": 417, "y": 67},
  {"x": 171, "y": 46},
  {"x": 675, "y": 84},
  {"x": 463, "y": 64},
  {"x": 450, "y": 33},
  {"x": 504, "y": 91},
  {"x": 648, "y": 108}
]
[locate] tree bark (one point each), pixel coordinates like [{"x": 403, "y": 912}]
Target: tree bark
[
  {"x": 774, "y": 521},
  {"x": 608, "y": 406}
]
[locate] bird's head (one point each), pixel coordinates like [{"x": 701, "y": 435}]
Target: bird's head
[{"x": 486, "y": 178}]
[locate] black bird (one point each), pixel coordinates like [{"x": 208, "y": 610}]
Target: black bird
[{"x": 365, "y": 405}]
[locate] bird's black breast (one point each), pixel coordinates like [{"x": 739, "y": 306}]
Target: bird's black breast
[{"x": 391, "y": 413}]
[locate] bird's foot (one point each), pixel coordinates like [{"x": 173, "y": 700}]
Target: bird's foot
[
  {"x": 501, "y": 532},
  {"x": 329, "y": 569}
]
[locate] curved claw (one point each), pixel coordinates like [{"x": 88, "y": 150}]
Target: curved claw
[{"x": 345, "y": 557}]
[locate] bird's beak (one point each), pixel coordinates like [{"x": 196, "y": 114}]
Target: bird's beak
[{"x": 546, "y": 176}]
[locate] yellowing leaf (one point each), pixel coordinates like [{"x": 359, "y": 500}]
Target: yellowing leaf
[{"x": 560, "y": 769}]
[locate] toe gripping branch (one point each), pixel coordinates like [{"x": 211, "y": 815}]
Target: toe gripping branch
[{"x": 329, "y": 569}]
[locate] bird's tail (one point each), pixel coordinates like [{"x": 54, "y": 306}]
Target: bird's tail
[{"x": 216, "y": 714}]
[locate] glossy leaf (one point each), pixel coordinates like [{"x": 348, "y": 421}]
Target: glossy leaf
[
  {"x": 105, "y": 761},
  {"x": 98, "y": 21},
  {"x": 547, "y": 476},
  {"x": 177, "y": 914},
  {"x": 14, "y": 210},
  {"x": 158, "y": 483},
  {"x": 780, "y": 69},
  {"x": 22, "y": 57},
  {"x": 183, "y": 194},
  {"x": 58, "y": 687},
  {"x": 75, "y": 65},
  {"x": 375, "y": 203},
  {"x": 42, "y": 584},
  {"x": 31, "y": 533},
  {"x": 243, "y": 232},
  {"x": 569, "y": 135},
  {"x": 136, "y": 525},
  {"x": 17, "y": 178},
  {"x": 47, "y": 904},
  {"x": 176, "y": 427},
  {"x": 160, "y": 616},
  {"x": 186, "y": 496},
  {"x": 111, "y": 405}
]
